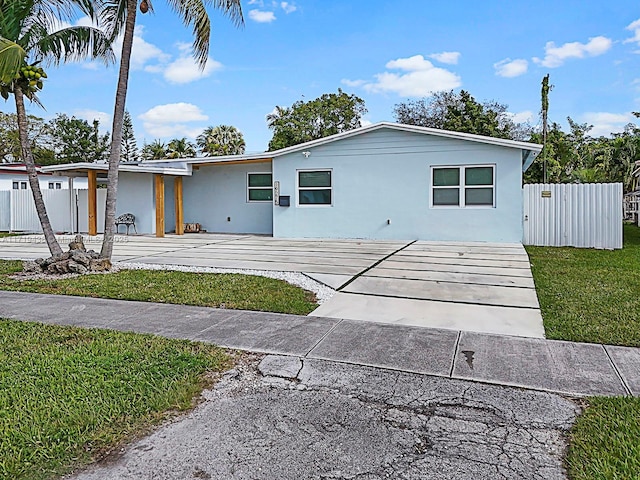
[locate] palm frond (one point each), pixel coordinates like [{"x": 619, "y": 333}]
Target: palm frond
[
  {"x": 194, "y": 13},
  {"x": 74, "y": 43},
  {"x": 113, "y": 16},
  {"x": 12, "y": 57}
]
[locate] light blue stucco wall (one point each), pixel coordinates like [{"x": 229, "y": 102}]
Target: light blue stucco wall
[
  {"x": 136, "y": 195},
  {"x": 385, "y": 175},
  {"x": 214, "y": 193},
  {"x": 169, "y": 205}
]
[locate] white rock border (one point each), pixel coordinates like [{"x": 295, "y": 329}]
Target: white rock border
[{"x": 321, "y": 291}]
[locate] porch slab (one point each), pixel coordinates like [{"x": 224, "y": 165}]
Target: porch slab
[
  {"x": 442, "y": 315},
  {"x": 452, "y": 277},
  {"x": 445, "y": 291},
  {"x": 454, "y": 267},
  {"x": 627, "y": 361},
  {"x": 332, "y": 280},
  {"x": 404, "y": 348},
  {"x": 566, "y": 367}
]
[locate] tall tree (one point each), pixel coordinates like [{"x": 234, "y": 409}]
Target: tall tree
[
  {"x": 545, "y": 112},
  {"x": 461, "y": 112},
  {"x": 29, "y": 34},
  {"x": 181, "y": 148},
  {"x": 10, "y": 148},
  {"x": 119, "y": 16},
  {"x": 304, "y": 121},
  {"x": 155, "y": 150},
  {"x": 221, "y": 140},
  {"x": 129, "y": 151},
  {"x": 73, "y": 140}
]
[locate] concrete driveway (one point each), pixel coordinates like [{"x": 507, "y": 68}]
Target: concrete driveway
[{"x": 461, "y": 286}]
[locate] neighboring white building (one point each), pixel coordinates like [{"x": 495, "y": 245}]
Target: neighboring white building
[{"x": 13, "y": 176}]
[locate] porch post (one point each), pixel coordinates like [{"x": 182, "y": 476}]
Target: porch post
[
  {"x": 159, "y": 181},
  {"x": 177, "y": 190},
  {"x": 93, "y": 202}
]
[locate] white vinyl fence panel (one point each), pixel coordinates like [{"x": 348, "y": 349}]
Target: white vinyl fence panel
[
  {"x": 5, "y": 211},
  {"x": 83, "y": 209},
  {"x": 24, "y": 217},
  {"x": 578, "y": 215}
]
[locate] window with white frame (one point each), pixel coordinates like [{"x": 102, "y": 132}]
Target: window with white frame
[
  {"x": 19, "y": 185},
  {"x": 55, "y": 185},
  {"x": 315, "y": 187},
  {"x": 465, "y": 186},
  {"x": 259, "y": 187}
]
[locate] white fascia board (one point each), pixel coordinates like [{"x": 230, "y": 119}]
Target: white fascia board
[
  {"x": 533, "y": 147},
  {"x": 184, "y": 171}
]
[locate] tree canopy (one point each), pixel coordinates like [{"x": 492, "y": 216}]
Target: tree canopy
[
  {"x": 460, "y": 112},
  {"x": 304, "y": 121},
  {"x": 74, "y": 140},
  {"x": 129, "y": 152},
  {"x": 221, "y": 140}
]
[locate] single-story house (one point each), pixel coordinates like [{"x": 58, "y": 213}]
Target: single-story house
[{"x": 381, "y": 181}]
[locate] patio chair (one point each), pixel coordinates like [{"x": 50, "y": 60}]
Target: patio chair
[{"x": 127, "y": 219}]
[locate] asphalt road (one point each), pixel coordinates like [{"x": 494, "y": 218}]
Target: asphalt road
[{"x": 311, "y": 419}]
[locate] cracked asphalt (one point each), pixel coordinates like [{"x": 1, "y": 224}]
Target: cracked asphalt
[{"x": 277, "y": 418}]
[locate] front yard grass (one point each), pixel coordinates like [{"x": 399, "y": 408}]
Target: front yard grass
[
  {"x": 69, "y": 395},
  {"x": 589, "y": 295},
  {"x": 605, "y": 441},
  {"x": 235, "y": 291}
]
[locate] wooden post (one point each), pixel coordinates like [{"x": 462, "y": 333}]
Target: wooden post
[
  {"x": 159, "y": 180},
  {"x": 177, "y": 190},
  {"x": 93, "y": 202}
]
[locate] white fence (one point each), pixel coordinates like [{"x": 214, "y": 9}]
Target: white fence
[
  {"x": 67, "y": 210},
  {"x": 578, "y": 215},
  {"x": 5, "y": 211}
]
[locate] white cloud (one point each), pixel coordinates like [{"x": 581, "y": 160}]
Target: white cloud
[
  {"x": 365, "y": 123},
  {"x": 635, "y": 28},
  {"x": 261, "y": 16},
  {"x": 142, "y": 51},
  {"x": 511, "y": 68},
  {"x": 288, "y": 7},
  {"x": 526, "y": 116},
  {"x": 186, "y": 70},
  {"x": 450, "y": 58},
  {"x": 90, "y": 115},
  {"x": 604, "y": 123},
  {"x": 353, "y": 83},
  {"x": 556, "y": 56},
  {"x": 420, "y": 78},
  {"x": 172, "y": 119}
]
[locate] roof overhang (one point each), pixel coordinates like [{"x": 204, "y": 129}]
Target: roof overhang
[{"x": 179, "y": 169}]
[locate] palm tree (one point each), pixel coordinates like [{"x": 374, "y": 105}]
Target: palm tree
[
  {"x": 180, "y": 148},
  {"x": 29, "y": 32},
  {"x": 119, "y": 15},
  {"x": 221, "y": 140},
  {"x": 155, "y": 150}
]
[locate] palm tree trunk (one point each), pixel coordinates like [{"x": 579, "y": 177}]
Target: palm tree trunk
[
  {"x": 116, "y": 131},
  {"x": 27, "y": 155}
]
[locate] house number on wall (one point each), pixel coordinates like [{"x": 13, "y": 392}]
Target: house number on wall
[{"x": 276, "y": 193}]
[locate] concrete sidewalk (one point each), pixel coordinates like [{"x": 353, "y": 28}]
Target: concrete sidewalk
[{"x": 563, "y": 367}]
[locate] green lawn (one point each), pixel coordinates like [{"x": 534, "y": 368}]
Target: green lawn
[
  {"x": 590, "y": 295},
  {"x": 593, "y": 296},
  {"x": 235, "y": 291},
  {"x": 605, "y": 441},
  {"x": 69, "y": 395},
  {"x": 7, "y": 234}
]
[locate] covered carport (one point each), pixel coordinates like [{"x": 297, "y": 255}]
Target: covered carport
[{"x": 142, "y": 191}]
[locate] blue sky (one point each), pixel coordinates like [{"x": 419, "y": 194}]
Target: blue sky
[{"x": 386, "y": 52}]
